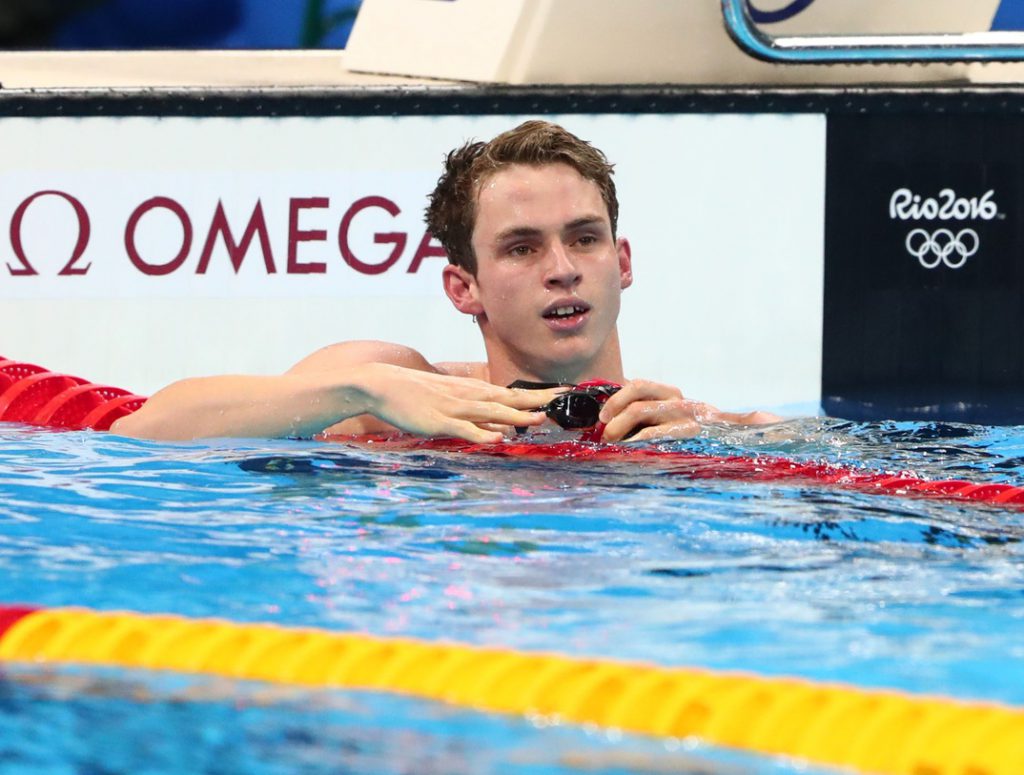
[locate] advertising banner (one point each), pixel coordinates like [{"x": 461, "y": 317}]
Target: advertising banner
[
  {"x": 924, "y": 286},
  {"x": 141, "y": 250}
]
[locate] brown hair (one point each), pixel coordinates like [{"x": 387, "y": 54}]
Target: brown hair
[{"x": 451, "y": 214}]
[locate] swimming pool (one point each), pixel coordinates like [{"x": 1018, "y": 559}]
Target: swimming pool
[{"x": 611, "y": 560}]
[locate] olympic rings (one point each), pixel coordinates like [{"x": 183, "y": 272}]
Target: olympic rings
[{"x": 942, "y": 244}]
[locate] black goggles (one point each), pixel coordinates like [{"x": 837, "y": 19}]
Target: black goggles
[{"x": 578, "y": 407}]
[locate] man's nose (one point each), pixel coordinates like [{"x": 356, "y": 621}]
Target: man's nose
[{"x": 562, "y": 270}]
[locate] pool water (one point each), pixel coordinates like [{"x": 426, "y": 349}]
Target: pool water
[{"x": 616, "y": 560}]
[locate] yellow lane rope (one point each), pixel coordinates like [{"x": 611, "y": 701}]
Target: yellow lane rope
[{"x": 869, "y": 731}]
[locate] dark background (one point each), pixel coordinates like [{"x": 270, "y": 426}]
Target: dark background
[
  {"x": 142, "y": 24},
  {"x": 902, "y": 341}
]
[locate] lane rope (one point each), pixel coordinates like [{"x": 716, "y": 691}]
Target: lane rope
[
  {"x": 871, "y": 731},
  {"x": 31, "y": 394},
  {"x": 692, "y": 465}
]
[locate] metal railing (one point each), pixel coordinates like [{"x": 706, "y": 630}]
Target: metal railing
[{"x": 854, "y": 49}]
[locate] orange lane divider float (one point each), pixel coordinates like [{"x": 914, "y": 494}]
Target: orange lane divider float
[
  {"x": 868, "y": 730},
  {"x": 31, "y": 394}
]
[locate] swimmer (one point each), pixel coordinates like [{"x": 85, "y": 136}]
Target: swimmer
[{"x": 529, "y": 223}]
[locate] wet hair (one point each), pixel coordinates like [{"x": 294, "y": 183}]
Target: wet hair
[{"x": 451, "y": 213}]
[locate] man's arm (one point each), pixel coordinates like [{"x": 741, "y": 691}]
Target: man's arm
[
  {"x": 345, "y": 355},
  {"x": 661, "y": 412},
  {"x": 343, "y": 381}
]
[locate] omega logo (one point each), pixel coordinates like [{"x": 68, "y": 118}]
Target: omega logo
[{"x": 255, "y": 234}]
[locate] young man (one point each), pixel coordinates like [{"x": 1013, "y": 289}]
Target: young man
[{"x": 529, "y": 224}]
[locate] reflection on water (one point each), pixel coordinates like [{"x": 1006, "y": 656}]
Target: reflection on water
[
  {"x": 111, "y": 721},
  {"x": 933, "y": 450}
]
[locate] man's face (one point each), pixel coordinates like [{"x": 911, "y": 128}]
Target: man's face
[{"x": 549, "y": 273}]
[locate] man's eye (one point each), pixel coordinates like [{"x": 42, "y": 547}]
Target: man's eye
[
  {"x": 520, "y": 250},
  {"x": 587, "y": 240}
]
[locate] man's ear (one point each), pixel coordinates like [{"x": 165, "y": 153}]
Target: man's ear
[
  {"x": 625, "y": 262},
  {"x": 460, "y": 286}
]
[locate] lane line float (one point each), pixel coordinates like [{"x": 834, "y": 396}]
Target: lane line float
[
  {"x": 869, "y": 730},
  {"x": 692, "y": 465},
  {"x": 31, "y": 394}
]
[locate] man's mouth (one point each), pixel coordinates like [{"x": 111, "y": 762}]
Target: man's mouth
[{"x": 565, "y": 311}]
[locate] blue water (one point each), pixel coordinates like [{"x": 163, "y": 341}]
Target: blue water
[{"x": 611, "y": 560}]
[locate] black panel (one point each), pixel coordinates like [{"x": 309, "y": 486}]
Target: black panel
[
  {"x": 924, "y": 272},
  {"x": 444, "y": 99}
]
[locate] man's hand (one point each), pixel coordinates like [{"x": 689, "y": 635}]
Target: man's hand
[
  {"x": 662, "y": 412},
  {"x": 431, "y": 404},
  {"x": 335, "y": 400}
]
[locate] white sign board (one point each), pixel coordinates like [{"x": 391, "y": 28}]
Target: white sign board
[{"x": 136, "y": 251}]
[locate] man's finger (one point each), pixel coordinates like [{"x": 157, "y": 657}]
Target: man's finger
[
  {"x": 474, "y": 433},
  {"x": 531, "y": 399},
  {"x": 644, "y": 414},
  {"x": 489, "y": 411},
  {"x": 748, "y": 418},
  {"x": 619, "y": 401},
  {"x": 638, "y": 413},
  {"x": 637, "y": 390},
  {"x": 504, "y": 430},
  {"x": 679, "y": 430}
]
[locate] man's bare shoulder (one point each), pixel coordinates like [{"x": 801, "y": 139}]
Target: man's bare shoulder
[
  {"x": 358, "y": 352},
  {"x": 346, "y": 354},
  {"x": 463, "y": 369}
]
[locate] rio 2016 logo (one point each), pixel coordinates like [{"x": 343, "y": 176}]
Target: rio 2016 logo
[{"x": 942, "y": 246}]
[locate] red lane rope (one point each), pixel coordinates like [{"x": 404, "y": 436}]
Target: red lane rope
[
  {"x": 31, "y": 394},
  {"x": 11, "y": 614},
  {"x": 700, "y": 466}
]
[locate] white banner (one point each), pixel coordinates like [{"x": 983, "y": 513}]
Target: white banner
[{"x": 240, "y": 245}]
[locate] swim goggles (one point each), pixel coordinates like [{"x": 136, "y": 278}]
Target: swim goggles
[{"x": 577, "y": 408}]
